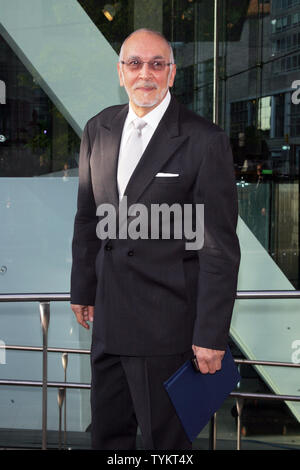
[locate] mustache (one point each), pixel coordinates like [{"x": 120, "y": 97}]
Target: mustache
[{"x": 145, "y": 85}]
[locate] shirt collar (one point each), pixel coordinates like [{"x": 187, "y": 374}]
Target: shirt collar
[{"x": 153, "y": 117}]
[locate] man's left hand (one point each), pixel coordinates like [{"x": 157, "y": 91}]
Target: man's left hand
[{"x": 209, "y": 360}]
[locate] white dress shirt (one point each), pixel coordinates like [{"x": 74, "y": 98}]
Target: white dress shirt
[{"x": 152, "y": 119}]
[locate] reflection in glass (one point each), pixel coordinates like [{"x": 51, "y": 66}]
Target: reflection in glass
[
  {"x": 37, "y": 140},
  {"x": 260, "y": 67}
]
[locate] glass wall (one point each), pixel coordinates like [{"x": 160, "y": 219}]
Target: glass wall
[
  {"x": 57, "y": 69},
  {"x": 259, "y": 82},
  {"x": 258, "y": 108}
]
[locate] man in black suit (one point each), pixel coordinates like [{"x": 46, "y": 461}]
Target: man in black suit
[{"x": 153, "y": 302}]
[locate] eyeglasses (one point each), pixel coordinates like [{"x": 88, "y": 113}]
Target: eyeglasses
[{"x": 155, "y": 65}]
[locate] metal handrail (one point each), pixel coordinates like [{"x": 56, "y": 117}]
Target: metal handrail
[
  {"x": 268, "y": 294},
  {"x": 80, "y": 385},
  {"x": 42, "y": 297},
  {"x": 87, "y": 351},
  {"x": 39, "y": 383},
  {"x": 44, "y": 300},
  {"x": 247, "y": 294},
  {"x": 39, "y": 348}
]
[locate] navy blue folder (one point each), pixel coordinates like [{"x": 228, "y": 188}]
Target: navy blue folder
[{"x": 196, "y": 396}]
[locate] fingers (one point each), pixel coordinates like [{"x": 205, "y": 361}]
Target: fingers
[
  {"x": 91, "y": 312},
  {"x": 83, "y": 313},
  {"x": 209, "y": 360}
]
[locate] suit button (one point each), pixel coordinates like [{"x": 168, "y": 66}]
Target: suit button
[
  {"x": 130, "y": 253},
  {"x": 108, "y": 247}
]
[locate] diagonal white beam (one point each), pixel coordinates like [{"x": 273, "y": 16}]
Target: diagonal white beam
[{"x": 66, "y": 53}]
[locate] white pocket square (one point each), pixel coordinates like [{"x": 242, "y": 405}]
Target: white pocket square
[{"x": 170, "y": 175}]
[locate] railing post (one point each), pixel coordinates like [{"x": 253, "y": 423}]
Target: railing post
[
  {"x": 45, "y": 318},
  {"x": 65, "y": 365},
  {"x": 239, "y": 407},
  {"x": 60, "y": 400}
]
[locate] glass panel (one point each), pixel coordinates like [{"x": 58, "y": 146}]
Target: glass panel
[
  {"x": 39, "y": 151},
  {"x": 262, "y": 120},
  {"x": 37, "y": 140}
]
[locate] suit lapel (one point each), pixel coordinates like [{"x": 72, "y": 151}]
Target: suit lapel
[
  {"x": 110, "y": 145},
  {"x": 164, "y": 142}
]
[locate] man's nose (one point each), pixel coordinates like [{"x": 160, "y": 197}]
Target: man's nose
[{"x": 145, "y": 70}]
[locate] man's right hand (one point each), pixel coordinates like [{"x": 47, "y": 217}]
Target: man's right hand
[{"x": 84, "y": 313}]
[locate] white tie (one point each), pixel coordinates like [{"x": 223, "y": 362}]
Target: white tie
[{"x": 132, "y": 153}]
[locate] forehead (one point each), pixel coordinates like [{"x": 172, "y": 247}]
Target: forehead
[{"x": 146, "y": 45}]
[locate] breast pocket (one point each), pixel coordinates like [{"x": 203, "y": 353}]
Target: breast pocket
[{"x": 166, "y": 179}]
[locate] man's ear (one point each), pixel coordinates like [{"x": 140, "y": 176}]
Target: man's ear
[
  {"x": 120, "y": 73},
  {"x": 172, "y": 77}
]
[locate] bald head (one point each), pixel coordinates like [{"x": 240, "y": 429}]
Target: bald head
[{"x": 143, "y": 33}]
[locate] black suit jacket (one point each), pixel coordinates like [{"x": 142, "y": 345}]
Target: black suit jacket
[{"x": 154, "y": 297}]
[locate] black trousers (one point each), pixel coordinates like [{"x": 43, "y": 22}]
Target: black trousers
[{"x": 128, "y": 392}]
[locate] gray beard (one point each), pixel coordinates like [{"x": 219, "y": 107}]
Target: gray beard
[
  {"x": 157, "y": 100},
  {"x": 154, "y": 102}
]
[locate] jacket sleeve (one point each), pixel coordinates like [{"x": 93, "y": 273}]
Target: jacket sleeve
[
  {"x": 219, "y": 257},
  {"x": 85, "y": 244}
]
